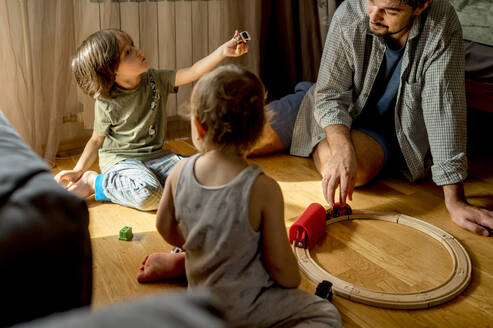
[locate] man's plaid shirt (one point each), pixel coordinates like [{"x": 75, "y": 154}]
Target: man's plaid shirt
[{"x": 430, "y": 113}]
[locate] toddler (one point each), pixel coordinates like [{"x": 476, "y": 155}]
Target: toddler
[
  {"x": 228, "y": 216},
  {"x": 130, "y": 118}
]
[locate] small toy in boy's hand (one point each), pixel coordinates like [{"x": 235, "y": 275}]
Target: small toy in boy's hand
[
  {"x": 126, "y": 233},
  {"x": 242, "y": 37}
]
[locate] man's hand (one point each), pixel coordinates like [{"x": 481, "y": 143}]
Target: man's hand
[
  {"x": 472, "y": 218},
  {"x": 340, "y": 171},
  {"x": 338, "y": 164}
]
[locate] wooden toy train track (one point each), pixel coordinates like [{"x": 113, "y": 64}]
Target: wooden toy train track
[{"x": 453, "y": 285}]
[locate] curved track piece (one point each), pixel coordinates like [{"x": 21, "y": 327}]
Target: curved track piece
[{"x": 457, "y": 281}]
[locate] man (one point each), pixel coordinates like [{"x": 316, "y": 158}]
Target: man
[{"x": 389, "y": 94}]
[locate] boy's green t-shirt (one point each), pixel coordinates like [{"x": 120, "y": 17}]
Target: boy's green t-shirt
[{"x": 133, "y": 122}]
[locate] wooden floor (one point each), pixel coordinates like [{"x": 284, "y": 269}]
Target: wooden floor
[{"x": 372, "y": 254}]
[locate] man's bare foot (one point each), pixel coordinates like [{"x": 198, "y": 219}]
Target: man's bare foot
[
  {"x": 268, "y": 143},
  {"x": 158, "y": 266},
  {"x": 84, "y": 187}
]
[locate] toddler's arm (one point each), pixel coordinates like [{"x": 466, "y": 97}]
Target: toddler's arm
[
  {"x": 194, "y": 72},
  {"x": 166, "y": 223},
  {"x": 279, "y": 257},
  {"x": 85, "y": 161}
]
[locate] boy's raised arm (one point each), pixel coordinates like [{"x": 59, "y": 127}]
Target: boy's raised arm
[{"x": 206, "y": 64}]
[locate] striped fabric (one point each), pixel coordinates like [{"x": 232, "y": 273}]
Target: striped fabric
[
  {"x": 430, "y": 108},
  {"x": 138, "y": 184}
]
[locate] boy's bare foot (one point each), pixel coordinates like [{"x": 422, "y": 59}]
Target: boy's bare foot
[
  {"x": 158, "y": 266},
  {"x": 84, "y": 187}
]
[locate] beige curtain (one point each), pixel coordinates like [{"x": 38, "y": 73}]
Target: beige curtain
[
  {"x": 173, "y": 34},
  {"x": 37, "y": 42},
  {"x": 38, "y": 94}
]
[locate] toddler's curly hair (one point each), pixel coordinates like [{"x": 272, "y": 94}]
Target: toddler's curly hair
[{"x": 229, "y": 103}]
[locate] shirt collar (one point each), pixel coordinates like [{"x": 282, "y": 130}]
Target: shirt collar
[{"x": 416, "y": 28}]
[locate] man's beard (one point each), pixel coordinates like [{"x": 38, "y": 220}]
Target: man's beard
[
  {"x": 388, "y": 32},
  {"x": 378, "y": 33}
]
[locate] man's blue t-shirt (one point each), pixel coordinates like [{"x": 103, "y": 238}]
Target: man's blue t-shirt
[
  {"x": 378, "y": 113},
  {"x": 379, "y": 108},
  {"x": 385, "y": 89}
]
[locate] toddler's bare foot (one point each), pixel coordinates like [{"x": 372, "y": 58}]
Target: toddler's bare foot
[
  {"x": 84, "y": 187},
  {"x": 158, "y": 266}
]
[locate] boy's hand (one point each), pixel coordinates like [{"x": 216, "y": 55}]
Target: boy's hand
[
  {"x": 233, "y": 49},
  {"x": 206, "y": 64},
  {"x": 70, "y": 176}
]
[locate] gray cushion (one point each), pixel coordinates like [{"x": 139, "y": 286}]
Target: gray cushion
[
  {"x": 45, "y": 253},
  {"x": 177, "y": 310}
]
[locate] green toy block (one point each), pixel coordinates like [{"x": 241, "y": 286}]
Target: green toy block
[{"x": 126, "y": 233}]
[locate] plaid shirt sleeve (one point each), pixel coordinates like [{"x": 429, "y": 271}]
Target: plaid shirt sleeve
[
  {"x": 444, "y": 111},
  {"x": 333, "y": 93}
]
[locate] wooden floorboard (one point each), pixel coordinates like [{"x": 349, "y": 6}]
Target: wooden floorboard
[{"x": 378, "y": 255}]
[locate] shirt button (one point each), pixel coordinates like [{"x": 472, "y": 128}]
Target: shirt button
[
  {"x": 365, "y": 95},
  {"x": 375, "y": 70}
]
